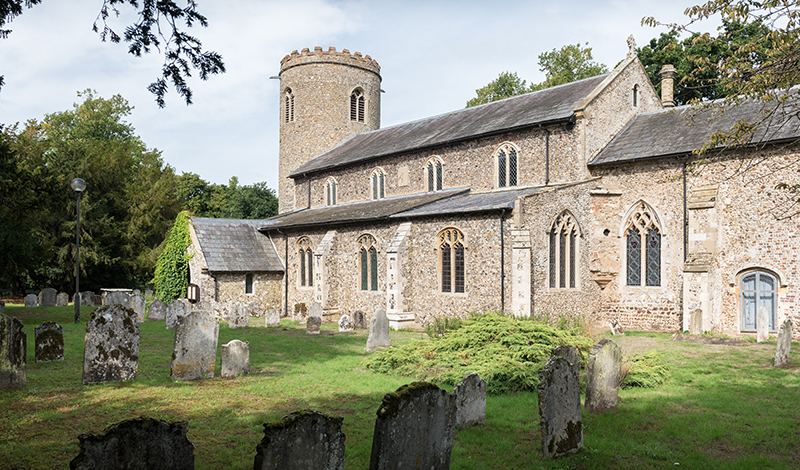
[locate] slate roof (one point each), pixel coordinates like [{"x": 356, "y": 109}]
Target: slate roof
[
  {"x": 550, "y": 105},
  {"x": 231, "y": 245},
  {"x": 467, "y": 203},
  {"x": 679, "y": 131}
]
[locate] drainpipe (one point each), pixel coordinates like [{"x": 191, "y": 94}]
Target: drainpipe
[
  {"x": 502, "y": 264},
  {"x": 685, "y": 214},
  {"x": 285, "y": 274}
]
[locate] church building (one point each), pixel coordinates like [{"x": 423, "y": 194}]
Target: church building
[{"x": 584, "y": 199}]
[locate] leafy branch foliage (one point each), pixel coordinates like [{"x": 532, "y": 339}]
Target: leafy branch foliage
[{"x": 172, "y": 269}]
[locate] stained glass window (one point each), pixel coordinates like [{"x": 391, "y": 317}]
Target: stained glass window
[
  {"x": 364, "y": 270},
  {"x": 653, "y": 256},
  {"x": 634, "y": 251},
  {"x": 643, "y": 247},
  {"x": 451, "y": 259},
  {"x": 501, "y": 169},
  {"x": 512, "y": 167},
  {"x": 373, "y": 267}
]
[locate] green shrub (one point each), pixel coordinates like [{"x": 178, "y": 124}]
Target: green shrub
[
  {"x": 438, "y": 327},
  {"x": 172, "y": 268},
  {"x": 646, "y": 370}
]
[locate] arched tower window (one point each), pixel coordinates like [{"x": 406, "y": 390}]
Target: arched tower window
[
  {"x": 635, "y": 96},
  {"x": 288, "y": 105},
  {"x": 305, "y": 260},
  {"x": 451, "y": 260},
  {"x": 330, "y": 191},
  {"x": 505, "y": 158},
  {"x": 357, "y": 105},
  {"x": 643, "y": 247},
  {"x": 378, "y": 180},
  {"x": 758, "y": 289},
  {"x": 368, "y": 262},
  {"x": 564, "y": 235},
  {"x": 433, "y": 174}
]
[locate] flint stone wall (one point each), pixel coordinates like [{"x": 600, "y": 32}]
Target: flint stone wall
[
  {"x": 559, "y": 408},
  {"x": 303, "y": 440},
  {"x": 49, "y": 340},
  {"x": 13, "y": 353},
  {"x": 194, "y": 353},
  {"x": 470, "y": 401},
  {"x": 235, "y": 359},
  {"x": 603, "y": 376},
  {"x": 111, "y": 351},
  {"x": 156, "y": 311}
]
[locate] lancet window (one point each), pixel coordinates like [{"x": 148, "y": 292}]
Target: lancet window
[
  {"x": 451, "y": 260},
  {"x": 643, "y": 247},
  {"x": 564, "y": 235},
  {"x": 368, "y": 262},
  {"x": 506, "y": 165},
  {"x": 305, "y": 260}
]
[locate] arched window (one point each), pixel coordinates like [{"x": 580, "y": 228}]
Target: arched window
[
  {"x": 288, "y": 104},
  {"x": 433, "y": 174},
  {"x": 330, "y": 192},
  {"x": 305, "y": 259},
  {"x": 506, "y": 165},
  {"x": 248, "y": 284},
  {"x": 451, "y": 260},
  {"x": 378, "y": 179},
  {"x": 635, "y": 96},
  {"x": 368, "y": 262},
  {"x": 758, "y": 290},
  {"x": 643, "y": 247},
  {"x": 357, "y": 105},
  {"x": 564, "y": 234}
]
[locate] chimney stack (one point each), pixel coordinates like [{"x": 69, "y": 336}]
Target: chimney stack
[{"x": 667, "y": 86}]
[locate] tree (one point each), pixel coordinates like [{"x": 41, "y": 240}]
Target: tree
[
  {"x": 255, "y": 201},
  {"x": 201, "y": 198},
  {"x": 506, "y": 85},
  {"x": 158, "y": 26}
]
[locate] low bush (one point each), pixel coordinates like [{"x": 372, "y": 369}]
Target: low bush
[{"x": 647, "y": 370}]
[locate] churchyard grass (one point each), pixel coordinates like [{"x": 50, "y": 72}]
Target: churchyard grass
[{"x": 722, "y": 406}]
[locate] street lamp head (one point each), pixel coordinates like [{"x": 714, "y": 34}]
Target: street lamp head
[{"x": 78, "y": 185}]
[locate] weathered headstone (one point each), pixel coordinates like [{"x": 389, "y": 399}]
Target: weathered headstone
[
  {"x": 111, "y": 351},
  {"x": 136, "y": 292},
  {"x": 31, "y": 301},
  {"x": 48, "y": 297},
  {"x": 253, "y": 309},
  {"x": 415, "y": 428},
  {"x": 194, "y": 352},
  {"x": 762, "y": 325},
  {"x": 345, "y": 323},
  {"x": 237, "y": 315},
  {"x": 378, "y": 331},
  {"x": 235, "y": 359},
  {"x": 300, "y": 312},
  {"x": 303, "y": 440},
  {"x": 116, "y": 297},
  {"x": 49, "y": 341},
  {"x": 570, "y": 353},
  {"x": 148, "y": 293},
  {"x": 138, "y": 306},
  {"x": 616, "y": 327},
  {"x": 603, "y": 376},
  {"x": 273, "y": 317},
  {"x": 559, "y": 408},
  {"x": 62, "y": 299},
  {"x": 156, "y": 311},
  {"x": 470, "y": 401},
  {"x": 87, "y": 299},
  {"x": 784, "y": 344},
  {"x": 359, "y": 320},
  {"x": 13, "y": 353},
  {"x": 175, "y": 310},
  {"x": 315, "y": 310},
  {"x": 141, "y": 443},
  {"x": 313, "y": 325},
  {"x": 696, "y": 322}
]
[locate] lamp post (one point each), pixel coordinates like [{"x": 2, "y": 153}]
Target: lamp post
[{"x": 78, "y": 185}]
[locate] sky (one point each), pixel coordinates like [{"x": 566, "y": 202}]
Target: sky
[{"x": 433, "y": 56}]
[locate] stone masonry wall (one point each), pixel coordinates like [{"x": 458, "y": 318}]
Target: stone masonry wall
[{"x": 267, "y": 289}]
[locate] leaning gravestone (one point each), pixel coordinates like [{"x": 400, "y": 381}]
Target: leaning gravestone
[
  {"x": 48, "y": 297},
  {"x": 345, "y": 323},
  {"x": 415, "y": 428},
  {"x": 315, "y": 310},
  {"x": 570, "y": 353},
  {"x": 273, "y": 317},
  {"x": 359, "y": 320},
  {"x": 138, "y": 306},
  {"x": 62, "y": 299},
  {"x": 49, "y": 340},
  {"x": 470, "y": 401},
  {"x": 603, "y": 376},
  {"x": 141, "y": 443},
  {"x": 13, "y": 353},
  {"x": 116, "y": 297},
  {"x": 31, "y": 301},
  {"x": 194, "y": 352},
  {"x": 111, "y": 351},
  {"x": 235, "y": 359},
  {"x": 378, "y": 332},
  {"x": 303, "y": 440},
  {"x": 559, "y": 408},
  {"x": 762, "y": 325},
  {"x": 156, "y": 311},
  {"x": 784, "y": 344},
  {"x": 313, "y": 325},
  {"x": 175, "y": 310}
]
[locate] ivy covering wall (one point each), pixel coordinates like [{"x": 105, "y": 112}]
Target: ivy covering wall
[{"x": 172, "y": 269}]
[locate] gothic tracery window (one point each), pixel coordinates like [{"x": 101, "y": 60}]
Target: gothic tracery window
[
  {"x": 506, "y": 166},
  {"x": 451, "y": 260},
  {"x": 378, "y": 180},
  {"x": 305, "y": 260},
  {"x": 564, "y": 234},
  {"x": 368, "y": 262},
  {"x": 330, "y": 192},
  {"x": 643, "y": 247},
  {"x": 433, "y": 174},
  {"x": 288, "y": 104},
  {"x": 357, "y": 105}
]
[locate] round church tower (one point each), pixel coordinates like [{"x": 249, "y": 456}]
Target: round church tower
[{"x": 326, "y": 98}]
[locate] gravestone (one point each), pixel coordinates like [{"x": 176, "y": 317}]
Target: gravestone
[
  {"x": 378, "y": 331},
  {"x": 137, "y": 444},
  {"x": 415, "y": 428},
  {"x": 359, "y": 320},
  {"x": 49, "y": 341},
  {"x": 603, "y": 376},
  {"x": 13, "y": 353},
  {"x": 559, "y": 408},
  {"x": 762, "y": 325},
  {"x": 273, "y": 317},
  {"x": 696, "y": 322},
  {"x": 48, "y": 297},
  {"x": 2, "y": 307},
  {"x": 470, "y": 401},
  {"x": 62, "y": 299},
  {"x": 175, "y": 310},
  {"x": 138, "y": 306},
  {"x": 303, "y": 440},
  {"x": 345, "y": 323},
  {"x": 300, "y": 311},
  {"x": 235, "y": 359},
  {"x": 253, "y": 309},
  {"x": 87, "y": 299},
  {"x": 156, "y": 311},
  {"x": 116, "y": 297},
  {"x": 315, "y": 310},
  {"x": 237, "y": 315},
  {"x": 194, "y": 352},
  {"x": 148, "y": 293},
  {"x": 616, "y": 327},
  {"x": 784, "y": 344},
  {"x": 111, "y": 351},
  {"x": 313, "y": 325},
  {"x": 136, "y": 292},
  {"x": 570, "y": 353},
  {"x": 31, "y": 301}
]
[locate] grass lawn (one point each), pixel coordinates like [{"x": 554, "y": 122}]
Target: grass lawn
[{"x": 723, "y": 406}]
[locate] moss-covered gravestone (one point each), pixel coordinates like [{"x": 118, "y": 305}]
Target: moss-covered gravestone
[
  {"x": 303, "y": 440},
  {"x": 313, "y": 324},
  {"x": 560, "y": 418},
  {"x": 49, "y": 338},
  {"x": 470, "y": 401},
  {"x": 359, "y": 320},
  {"x": 13, "y": 353},
  {"x": 603, "y": 376},
  {"x": 273, "y": 317},
  {"x": 111, "y": 351}
]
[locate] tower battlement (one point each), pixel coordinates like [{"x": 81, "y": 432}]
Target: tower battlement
[{"x": 332, "y": 56}]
